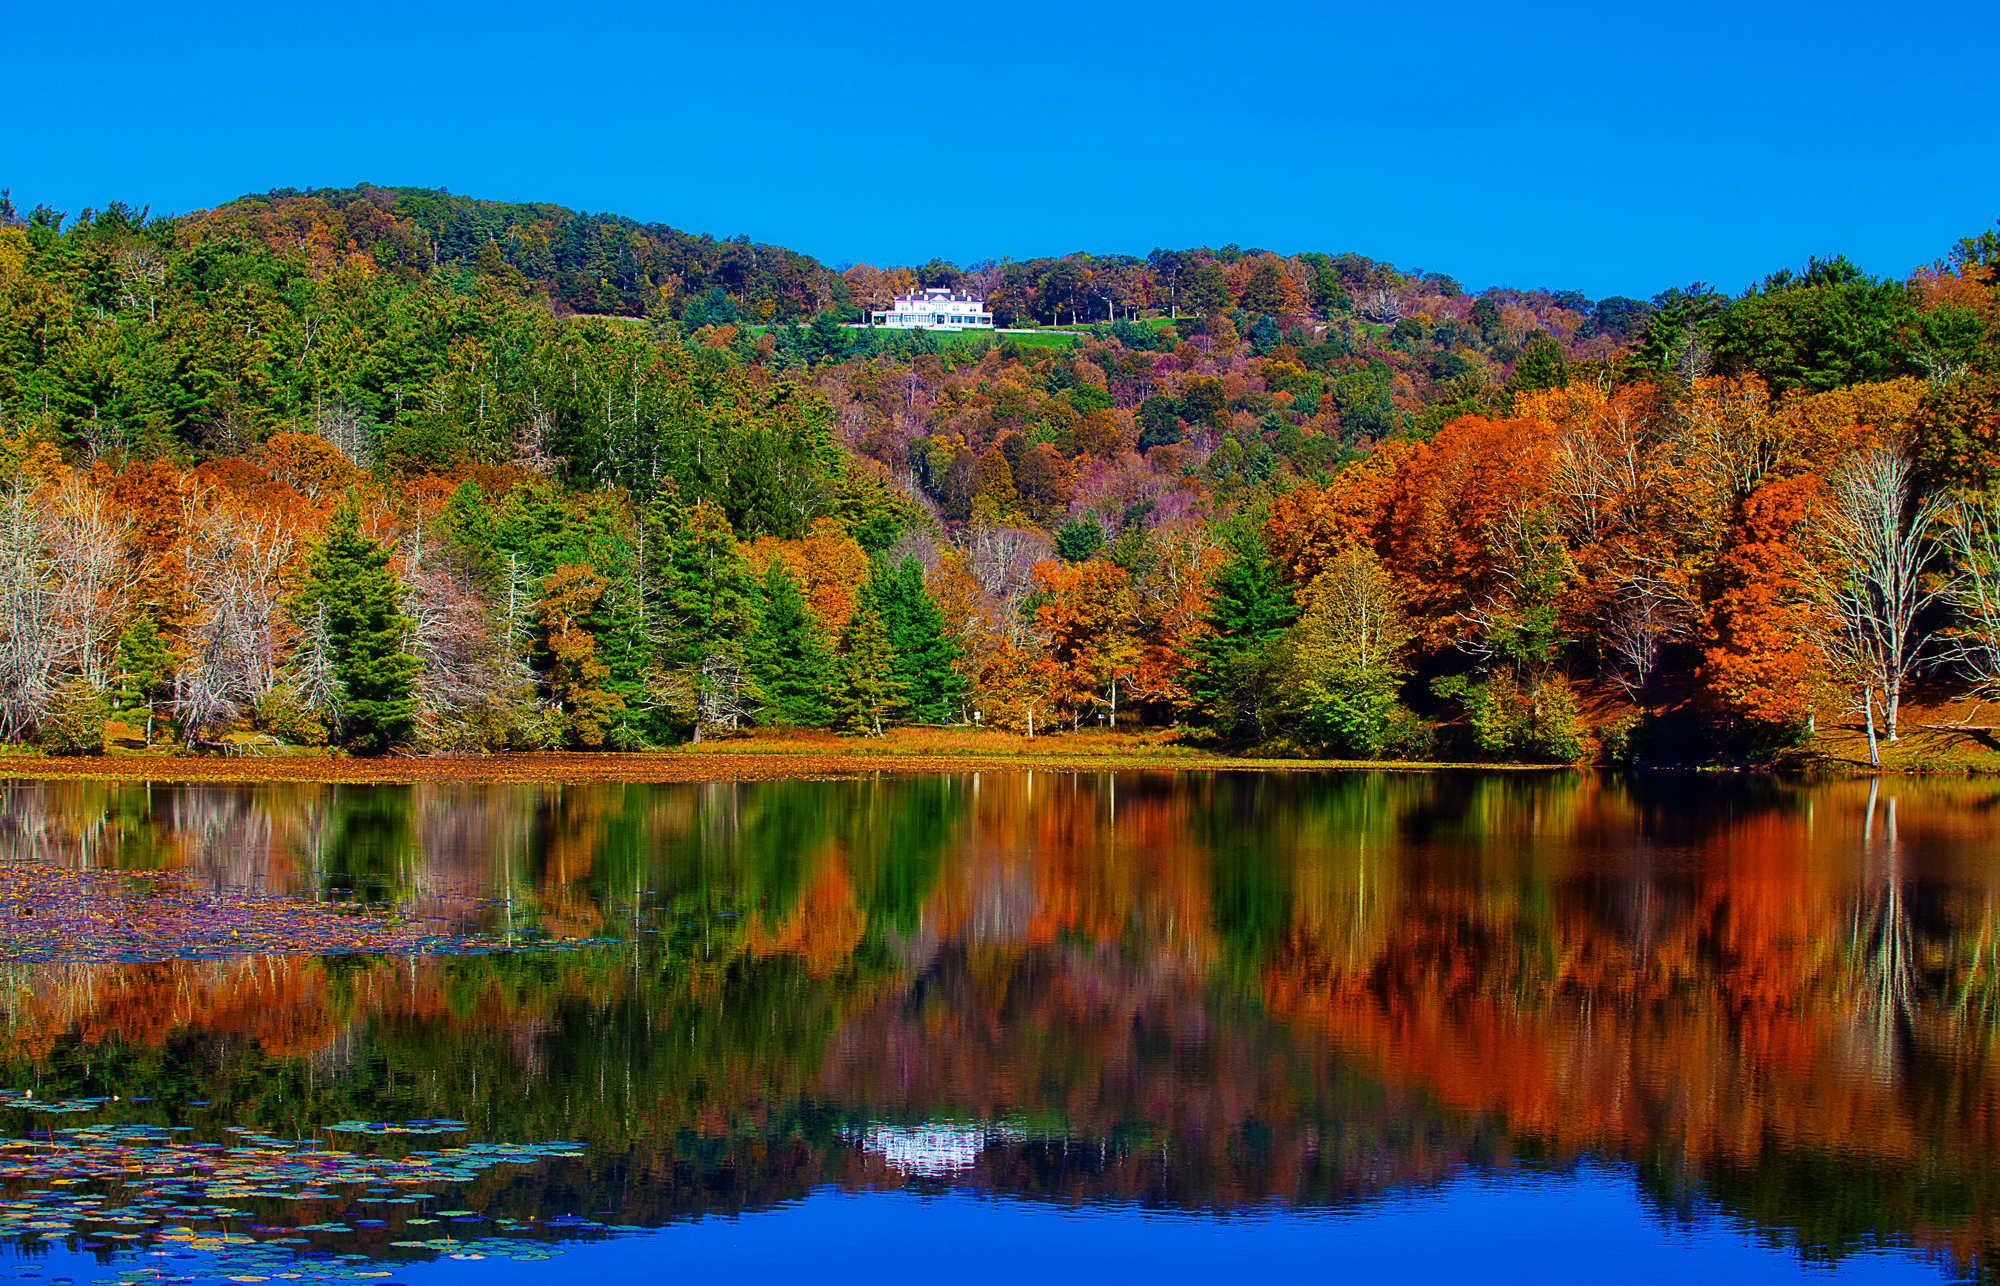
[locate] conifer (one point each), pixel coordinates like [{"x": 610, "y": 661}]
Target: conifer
[
  {"x": 793, "y": 664},
  {"x": 144, "y": 659},
  {"x": 923, "y": 651},
  {"x": 871, "y": 691},
  {"x": 1235, "y": 670},
  {"x": 348, "y": 574}
]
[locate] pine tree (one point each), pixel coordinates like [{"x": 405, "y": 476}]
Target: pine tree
[
  {"x": 143, "y": 661},
  {"x": 1236, "y": 668},
  {"x": 793, "y": 664},
  {"x": 707, "y": 606},
  {"x": 871, "y": 691},
  {"x": 348, "y": 574},
  {"x": 923, "y": 651}
]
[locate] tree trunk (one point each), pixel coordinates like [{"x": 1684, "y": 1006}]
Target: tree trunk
[
  {"x": 1892, "y": 703},
  {"x": 1868, "y": 704}
]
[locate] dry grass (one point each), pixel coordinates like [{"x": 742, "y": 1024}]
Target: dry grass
[
  {"x": 749, "y": 758},
  {"x": 1936, "y": 739}
]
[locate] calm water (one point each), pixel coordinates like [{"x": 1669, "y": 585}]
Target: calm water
[{"x": 1340, "y": 1026}]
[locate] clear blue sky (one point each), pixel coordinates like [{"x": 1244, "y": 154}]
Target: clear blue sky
[{"x": 1611, "y": 148}]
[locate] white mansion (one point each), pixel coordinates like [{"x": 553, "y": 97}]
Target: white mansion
[{"x": 936, "y": 309}]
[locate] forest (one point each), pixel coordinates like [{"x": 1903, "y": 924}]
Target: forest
[{"x": 393, "y": 470}]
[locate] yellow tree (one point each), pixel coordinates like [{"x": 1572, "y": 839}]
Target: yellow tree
[
  {"x": 576, "y": 677},
  {"x": 1086, "y": 615}
]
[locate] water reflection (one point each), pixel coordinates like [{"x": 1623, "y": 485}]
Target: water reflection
[{"x": 1206, "y": 994}]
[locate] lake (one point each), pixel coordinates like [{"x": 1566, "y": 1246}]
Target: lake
[{"x": 1126, "y": 1025}]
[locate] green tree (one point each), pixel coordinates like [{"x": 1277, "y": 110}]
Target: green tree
[
  {"x": 144, "y": 660},
  {"x": 794, "y": 666},
  {"x": 707, "y": 605},
  {"x": 931, "y": 690},
  {"x": 1237, "y": 668},
  {"x": 870, "y": 692},
  {"x": 1078, "y": 540},
  {"x": 1542, "y": 364},
  {"x": 825, "y": 340},
  {"x": 1345, "y": 662},
  {"x": 348, "y": 575}
]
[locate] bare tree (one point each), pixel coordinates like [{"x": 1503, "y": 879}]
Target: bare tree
[
  {"x": 90, "y": 576},
  {"x": 234, "y": 565},
  {"x": 141, "y": 272},
  {"x": 348, "y": 428},
  {"x": 1971, "y": 532},
  {"x": 27, "y": 637},
  {"x": 1382, "y": 306},
  {"x": 1879, "y": 534},
  {"x": 1641, "y": 622}
]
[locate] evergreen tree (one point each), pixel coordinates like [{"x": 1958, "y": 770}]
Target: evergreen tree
[
  {"x": 348, "y": 575},
  {"x": 871, "y": 691},
  {"x": 707, "y": 607},
  {"x": 144, "y": 659},
  {"x": 469, "y": 535},
  {"x": 1264, "y": 336},
  {"x": 923, "y": 653},
  {"x": 1238, "y": 666},
  {"x": 794, "y": 666},
  {"x": 1078, "y": 540}
]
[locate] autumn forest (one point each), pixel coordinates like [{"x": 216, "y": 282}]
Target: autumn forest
[{"x": 388, "y": 469}]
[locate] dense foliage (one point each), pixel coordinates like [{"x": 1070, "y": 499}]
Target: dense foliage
[{"x": 623, "y": 485}]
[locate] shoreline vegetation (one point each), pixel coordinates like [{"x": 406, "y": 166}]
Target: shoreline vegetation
[
  {"x": 391, "y": 472},
  {"x": 1929, "y": 749}
]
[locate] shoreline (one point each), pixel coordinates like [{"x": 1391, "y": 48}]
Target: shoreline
[
  {"x": 764, "y": 761},
  {"x": 761, "y": 762}
]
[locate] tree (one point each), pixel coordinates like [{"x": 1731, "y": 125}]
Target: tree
[
  {"x": 1972, "y": 536},
  {"x": 144, "y": 663},
  {"x": 1542, "y": 364},
  {"x": 348, "y": 575},
  {"x": 870, "y": 691},
  {"x": 923, "y": 653},
  {"x": 1879, "y": 533},
  {"x": 1761, "y": 661},
  {"x": 1345, "y": 661},
  {"x": 708, "y": 608},
  {"x": 793, "y": 664},
  {"x": 1235, "y": 673},
  {"x": 1078, "y": 540},
  {"x": 1085, "y": 614},
  {"x": 577, "y": 679}
]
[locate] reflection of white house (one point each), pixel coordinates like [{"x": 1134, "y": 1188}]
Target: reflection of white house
[{"x": 936, "y": 309}]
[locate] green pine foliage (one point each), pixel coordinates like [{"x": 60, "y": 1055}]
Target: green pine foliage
[
  {"x": 796, "y": 672},
  {"x": 932, "y": 690},
  {"x": 871, "y": 690},
  {"x": 349, "y": 576},
  {"x": 144, "y": 661},
  {"x": 1238, "y": 668}
]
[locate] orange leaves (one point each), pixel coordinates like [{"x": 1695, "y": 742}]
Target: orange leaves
[
  {"x": 1760, "y": 661},
  {"x": 828, "y": 565},
  {"x": 569, "y": 597},
  {"x": 308, "y": 462},
  {"x": 1309, "y": 527},
  {"x": 1086, "y": 613},
  {"x": 1447, "y": 497}
]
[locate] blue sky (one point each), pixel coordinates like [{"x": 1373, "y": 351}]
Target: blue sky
[{"x": 1615, "y": 149}]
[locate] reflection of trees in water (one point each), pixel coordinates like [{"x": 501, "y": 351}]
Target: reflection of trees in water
[
  {"x": 1280, "y": 985},
  {"x": 1881, "y": 946}
]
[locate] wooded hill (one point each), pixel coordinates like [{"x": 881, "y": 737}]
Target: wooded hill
[{"x": 395, "y": 468}]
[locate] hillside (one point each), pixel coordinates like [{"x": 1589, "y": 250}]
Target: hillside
[{"x": 532, "y": 478}]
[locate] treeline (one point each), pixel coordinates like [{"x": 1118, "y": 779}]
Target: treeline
[{"x": 349, "y": 466}]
